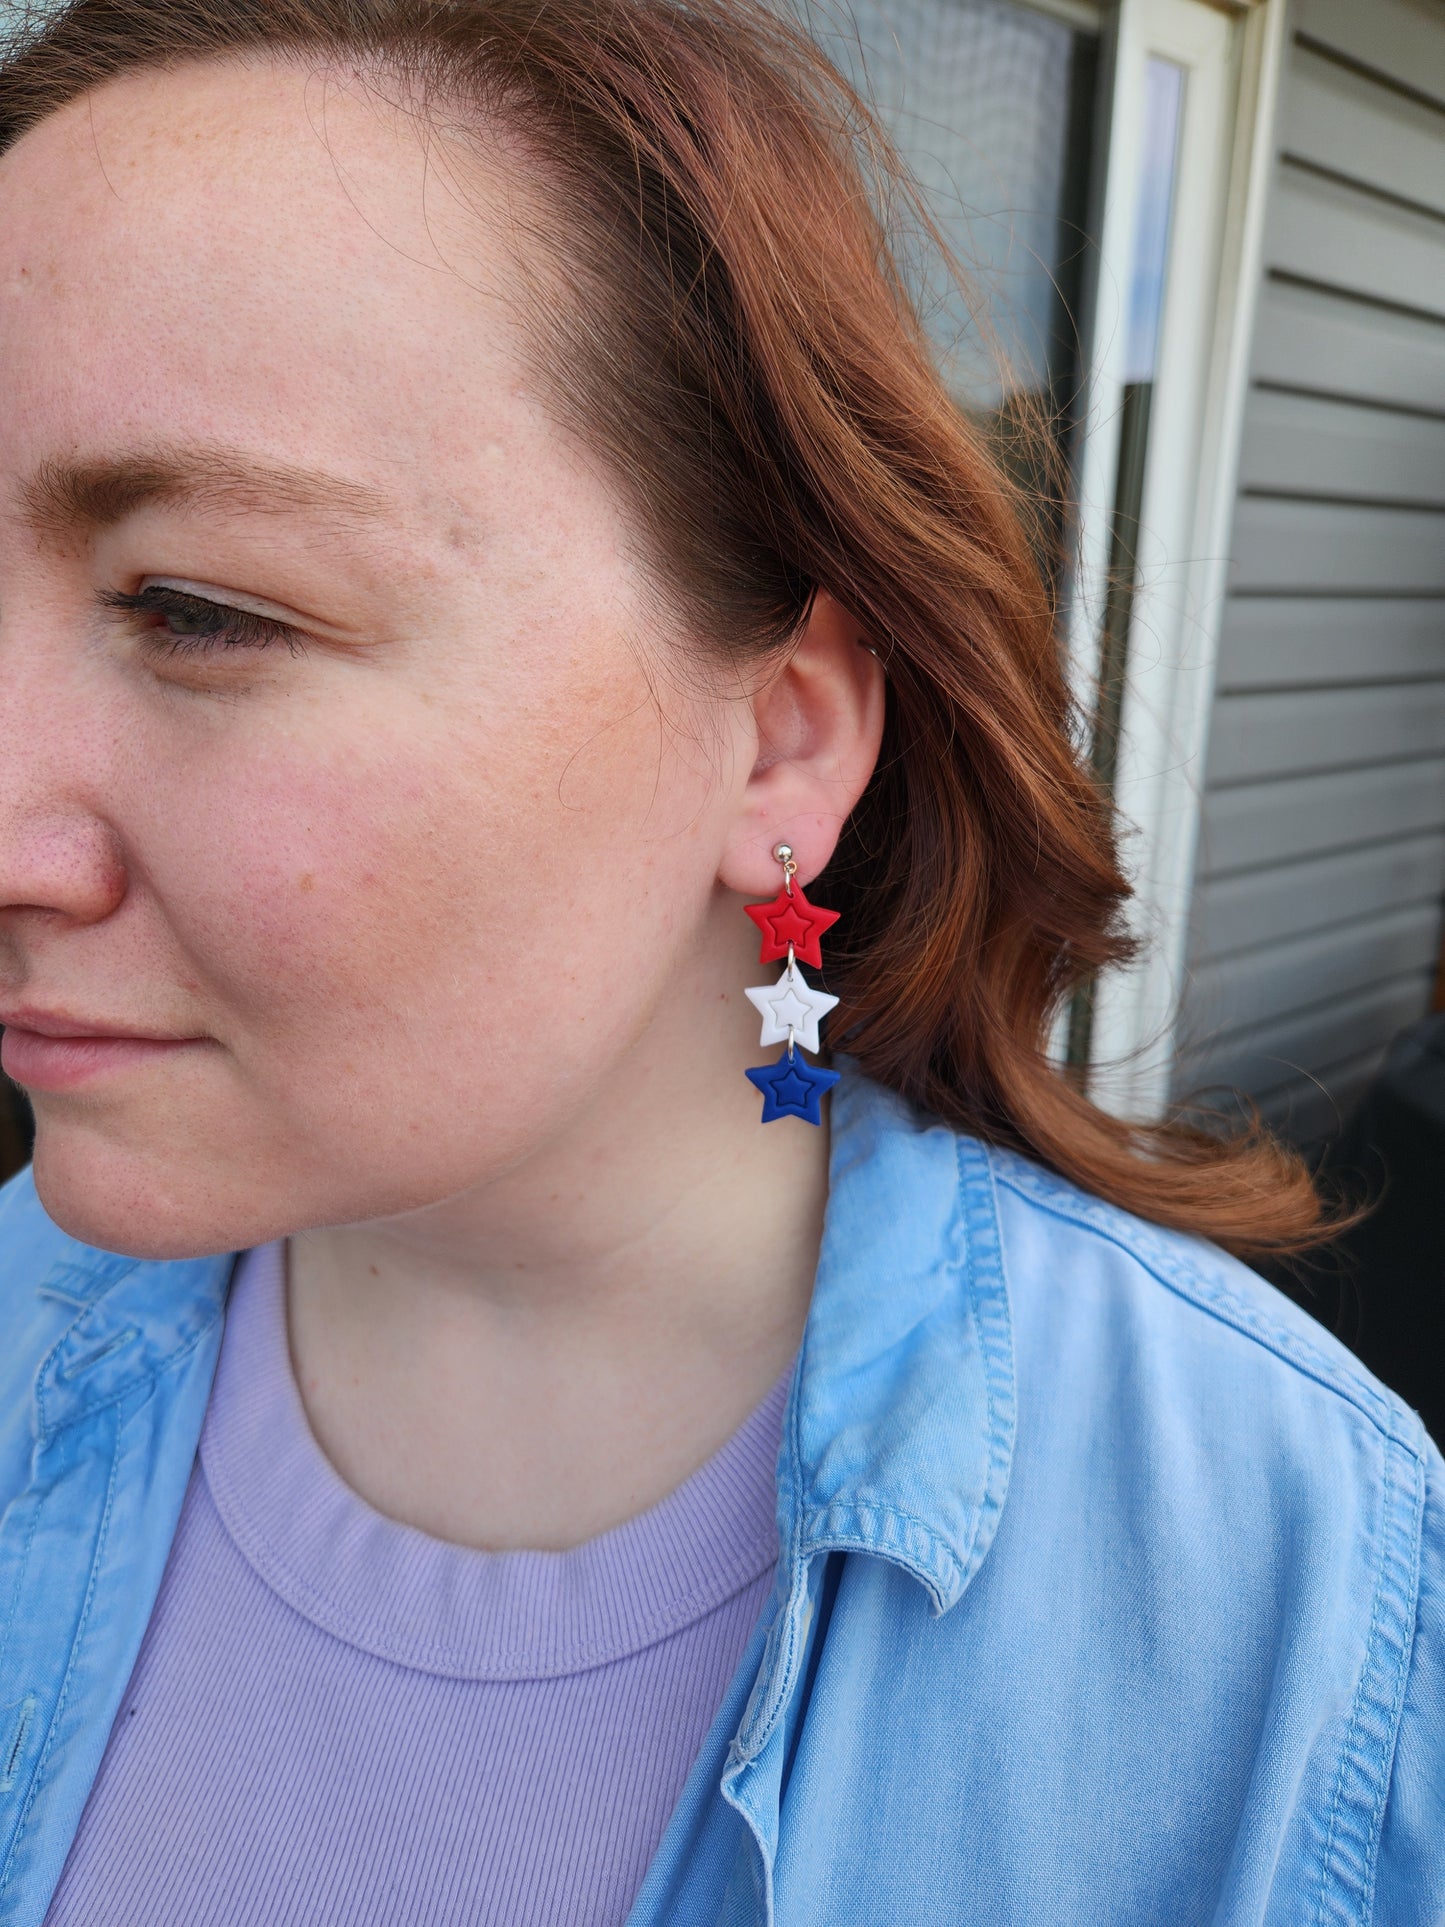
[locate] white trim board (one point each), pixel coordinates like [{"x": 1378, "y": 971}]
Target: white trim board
[
  {"x": 1087, "y": 15},
  {"x": 1224, "y": 164}
]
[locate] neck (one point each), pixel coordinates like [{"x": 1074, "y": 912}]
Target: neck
[{"x": 542, "y": 1357}]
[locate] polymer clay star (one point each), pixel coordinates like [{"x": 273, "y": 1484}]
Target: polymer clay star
[
  {"x": 792, "y": 1088},
  {"x": 792, "y": 920},
  {"x": 790, "y": 1004}
]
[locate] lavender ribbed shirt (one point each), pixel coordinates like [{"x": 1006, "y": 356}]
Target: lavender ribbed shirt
[{"x": 337, "y": 1719}]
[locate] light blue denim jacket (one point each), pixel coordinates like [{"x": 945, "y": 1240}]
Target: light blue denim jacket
[{"x": 1111, "y": 1589}]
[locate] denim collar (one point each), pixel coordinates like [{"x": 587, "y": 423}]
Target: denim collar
[
  {"x": 903, "y": 1421},
  {"x": 900, "y": 1428},
  {"x": 900, "y": 1425},
  {"x": 135, "y": 1318},
  {"x": 897, "y": 1438}
]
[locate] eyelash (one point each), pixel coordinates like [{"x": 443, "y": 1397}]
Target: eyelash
[{"x": 230, "y": 628}]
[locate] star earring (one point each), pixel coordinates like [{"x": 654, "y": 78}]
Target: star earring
[{"x": 791, "y": 1009}]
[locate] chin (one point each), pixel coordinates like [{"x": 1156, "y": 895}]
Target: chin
[{"x": 137, "y": 1206}]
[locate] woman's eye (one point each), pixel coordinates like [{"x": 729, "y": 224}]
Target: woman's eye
[{"x": 177, "y": 622}]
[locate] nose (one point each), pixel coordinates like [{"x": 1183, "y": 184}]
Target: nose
[
  {"x": 60, "y": 858},
  {"x": 63, "y": 863}
]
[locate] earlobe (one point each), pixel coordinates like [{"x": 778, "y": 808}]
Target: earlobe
[{"x": 819, "y": 724}]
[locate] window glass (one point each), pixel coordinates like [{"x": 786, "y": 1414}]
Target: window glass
[
  {"x": 992, "y": 106},
  {"x": 1163, "y": 114}
]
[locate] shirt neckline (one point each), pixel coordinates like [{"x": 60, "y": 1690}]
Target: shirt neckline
[{"x": 402, "y": 1595}]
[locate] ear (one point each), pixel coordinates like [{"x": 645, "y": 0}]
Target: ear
[{"x": 819, "y": 723}]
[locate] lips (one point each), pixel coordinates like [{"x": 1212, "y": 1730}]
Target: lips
[
  {"x": 58, "y": 1024},
  {"x": 51, "y": 1051}
]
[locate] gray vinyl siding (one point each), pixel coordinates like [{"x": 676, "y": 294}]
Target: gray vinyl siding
[{"x": 1317, "y": 908}]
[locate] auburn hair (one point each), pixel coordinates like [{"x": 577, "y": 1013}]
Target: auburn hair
[{"x": 727, "y": 323}]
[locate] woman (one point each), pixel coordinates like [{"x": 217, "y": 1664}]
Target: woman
[{"x": 478, "y": 517}]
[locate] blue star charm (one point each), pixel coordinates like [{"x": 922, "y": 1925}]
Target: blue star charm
[{"x": 792, "y": 1088}]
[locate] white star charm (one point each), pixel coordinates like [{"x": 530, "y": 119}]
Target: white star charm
[{"x": 791, "y": 1004}]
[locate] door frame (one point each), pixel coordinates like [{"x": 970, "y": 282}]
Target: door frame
[{"x": 1232, "y": 56}]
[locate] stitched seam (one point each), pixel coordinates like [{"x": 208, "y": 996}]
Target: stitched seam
[
  {"x": 122, "y": 1392},
  {"x": 991, "y": 1332},
  {"x": 98, "y": 1275},
  {"x": 61, "y": 1701},
  {"x": 782, "y": 1670},
  {"x": 967, "y": 1279},
  {"x": 45, "y": 1365},
  {"x": 974, "y": 1193},
  {"x": 685, "y": 1612},
  {"x": 1350, "y": 1762},
  {"x": 1177, "y": 1275},
  {"x": 1396, "y": 1563},
  {"x": 795, "y": 1553},
  {"x": 819, "y": 1516},
  {"x": 1355, "y": 1711},
  {"x": 8, "y": 1868},
  {"x": 1397, "y": 1687},
  {"x": 998, "y": 1375},
  {"x": 23, "y": 1568}
]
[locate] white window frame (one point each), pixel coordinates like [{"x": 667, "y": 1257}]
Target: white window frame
[
  {"x": 1088, "y": 14},
  {"x": 1232, "y": 55}
]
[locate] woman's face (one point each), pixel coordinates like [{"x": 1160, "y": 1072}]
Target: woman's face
[{"x": 407, "y": 884}]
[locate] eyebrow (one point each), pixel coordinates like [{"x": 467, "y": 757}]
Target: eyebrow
[{"x": 82, "y": 497}]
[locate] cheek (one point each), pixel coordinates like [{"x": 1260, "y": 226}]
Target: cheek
[
  {"x": 450, "y": 900},
  {"x": 324, "y": 902},
  {"x": 423, "y": 929}
]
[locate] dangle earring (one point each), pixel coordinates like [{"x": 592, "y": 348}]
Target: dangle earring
[{"x": 791, "y": 1009}]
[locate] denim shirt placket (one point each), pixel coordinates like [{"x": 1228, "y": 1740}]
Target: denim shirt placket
[
  {"x": 82, "y": 1547},
  {"x": 813, "y": 1525}
]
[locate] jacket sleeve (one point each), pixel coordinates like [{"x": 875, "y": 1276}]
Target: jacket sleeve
[{"x": 1410, "y": 1875}]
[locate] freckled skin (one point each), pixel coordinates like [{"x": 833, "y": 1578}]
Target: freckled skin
[{"x": 454, "y": 907}]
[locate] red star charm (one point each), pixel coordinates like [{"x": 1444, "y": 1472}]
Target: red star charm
[{"x": 792, "y": 920}]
